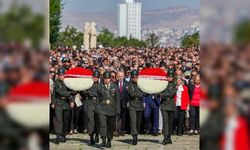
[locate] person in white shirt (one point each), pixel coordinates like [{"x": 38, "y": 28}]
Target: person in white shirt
[{"x": 181, "y": 102}]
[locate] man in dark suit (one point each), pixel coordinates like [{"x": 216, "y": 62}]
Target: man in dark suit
[
  {"x": 108, "y": 108},
  {"x": 123, "y": 118}
]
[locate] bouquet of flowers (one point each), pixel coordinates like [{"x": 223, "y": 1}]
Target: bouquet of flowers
[
  {"x": 78, "y": 79},
  {"x": 152, "y": 80}
]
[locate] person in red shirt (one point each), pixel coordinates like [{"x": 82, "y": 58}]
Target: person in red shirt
[
  {"x": 181, "y": 102},
  {"x": 194, "y": 95},
  {"x": 236, "y": 130}
]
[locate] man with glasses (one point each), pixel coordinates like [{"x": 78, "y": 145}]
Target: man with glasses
[
  {"x": 123, "y": 118},
  {"x": 113, "y": 77}
]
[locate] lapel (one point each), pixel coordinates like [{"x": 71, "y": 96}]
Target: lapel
[
  {"x": 110, "y": 86},
  {"x": 124, "y": 85}
]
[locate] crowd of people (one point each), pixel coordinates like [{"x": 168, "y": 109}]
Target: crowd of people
[
  {"x": 225, "y": 77},
  {"x": 19, "y": 66},
  {"x": 182, "y": 66}
]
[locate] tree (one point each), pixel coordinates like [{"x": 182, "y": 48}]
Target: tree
[
  {"x": 69, "y": 37},
  {"x": 105, "y": 38},
  {"x": 153, "y": 40},
  {"x": 55, "y": 20},
  {"x": 242, "y": 32},
  {"x": 193, "y": 40},
  {"x": 19, "y": 24}
]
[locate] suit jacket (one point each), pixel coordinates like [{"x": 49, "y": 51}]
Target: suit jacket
[
  {"x": 109, "y": 100},
  {"x": 124, "y": 94}
]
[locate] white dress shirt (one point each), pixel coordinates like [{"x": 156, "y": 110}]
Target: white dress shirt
[{"x": 178, "y": 95}]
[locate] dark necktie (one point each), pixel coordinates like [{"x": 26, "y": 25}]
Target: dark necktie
[{"x": 121, "y": 86}]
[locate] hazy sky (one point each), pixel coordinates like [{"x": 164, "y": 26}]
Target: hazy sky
[{"x": 111, "y": 5}]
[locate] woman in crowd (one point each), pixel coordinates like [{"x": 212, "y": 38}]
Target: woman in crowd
[
  {"x": 194, "y": 94},
  {"x": 182, "y": 103}
]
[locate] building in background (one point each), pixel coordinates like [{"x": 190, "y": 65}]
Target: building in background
[{"x": 129, "y": 19}]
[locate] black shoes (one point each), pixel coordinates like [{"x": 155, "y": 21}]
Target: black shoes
[
  {"x": 164, "y": 142},
  {"x": 116, "y": 134},
  {"x": 63, "y": 138},
  {"x": 103, "y": 144},
  {"x": 167, "y": 141},
  {"x": 109, "y": 143},
  {"x": 97, "y": 138},
  {"x": 155, "y": 134},
  {"x": 92, "y": 141},
  {"x": 134, "y": 140},
  {"x": 122, "y": 133},
  {"x": 179, "y": 134},
  {"x": 58, "y": 139},
  {"x": 106, "y": 144}
]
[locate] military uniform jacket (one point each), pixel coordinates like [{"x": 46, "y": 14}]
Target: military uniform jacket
[
  {"x": 135, "y": 97},
  {"x": 62, "y": 95},
  {"x": 90, "y": 97},
  {"x": 167, "y": 97},
  {"x": 108, "y": 102}
]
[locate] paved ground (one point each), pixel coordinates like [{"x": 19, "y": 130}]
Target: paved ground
[{"x": 146, "y": 142}]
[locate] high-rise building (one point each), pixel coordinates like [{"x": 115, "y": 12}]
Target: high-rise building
[{"x": 129, "y": 19}]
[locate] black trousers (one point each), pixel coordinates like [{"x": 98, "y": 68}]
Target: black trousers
[
  {"x": 135, "y": 121},
  {"x": 75, "y": 118},
  {"x": 180, "y": 119},
  {"x": 62, "y": 120},
  {"x": 107, "y": 125},
  {"x": 168, "y": 120},
  {"x": 194, "y": 118},
  {"x": 122, "y": 120}
]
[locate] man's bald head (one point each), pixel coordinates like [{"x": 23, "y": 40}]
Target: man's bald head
[{"x": 120, "y": 75}]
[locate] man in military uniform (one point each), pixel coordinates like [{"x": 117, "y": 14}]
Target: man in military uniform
[
  {"x": 62, "y": 103},
  {"x": 168, "y": 107},
  {"x": 135, "y": 106},
  {"x": 66, "y": 63},
  {"x": 108, "y": 108},
  {"x": 91, "y": 98}
]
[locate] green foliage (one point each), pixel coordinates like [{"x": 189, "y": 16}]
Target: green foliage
[
  {"x": 20, "y": 23},
  {"x": 55, "y": 20},
  {"x": 242, "y": 32},
  {"x": 153, "y": 40},
  {"x": 69, "y": 37},
  {"x": 107, "y": 39},
  {"x": 191, "y": 40}
]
